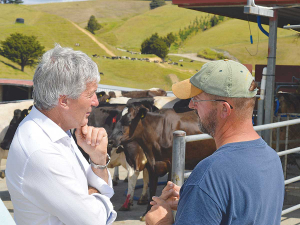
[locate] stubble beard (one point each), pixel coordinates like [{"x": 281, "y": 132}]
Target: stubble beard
[{"x": 210, "y": 126}]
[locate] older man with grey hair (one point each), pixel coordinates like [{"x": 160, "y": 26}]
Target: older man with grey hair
[{"x": 48, "y": 179}]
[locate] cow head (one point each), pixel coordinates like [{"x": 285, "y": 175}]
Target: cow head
[
  {"x": 103, "y": 97},
  {"x": 129, "y": 126},
  {"x": 14, "y": 123}
]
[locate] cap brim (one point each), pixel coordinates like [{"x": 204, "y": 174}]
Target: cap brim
[{"x": 185, "y": 89}]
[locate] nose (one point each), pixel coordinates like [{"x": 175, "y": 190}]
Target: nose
[{"x": 95, "y": 101}]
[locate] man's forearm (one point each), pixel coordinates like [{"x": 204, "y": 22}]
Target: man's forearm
[{"x": 102, "y": 173}]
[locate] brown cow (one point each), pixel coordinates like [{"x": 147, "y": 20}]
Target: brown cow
[{"x": 153, "y": 131}]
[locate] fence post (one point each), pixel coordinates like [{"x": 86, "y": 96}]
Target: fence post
[
  {"x": 278, "y": 135},
  {"x": 178, "y": 157},
  {"x": 260, "y": 113},
  {"x": 286, "y": 147}
]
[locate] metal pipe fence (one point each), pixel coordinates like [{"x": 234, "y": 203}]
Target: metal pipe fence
[{"x": 179, "y": 145}]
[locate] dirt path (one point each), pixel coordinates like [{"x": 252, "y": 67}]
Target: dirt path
[
  {"x": 192, "y": 56},
  {"x": 94, "y": 39},
  {"x": 173, "y": 78}
]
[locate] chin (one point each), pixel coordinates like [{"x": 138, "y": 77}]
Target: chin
[{"x": 84, "y": 122}]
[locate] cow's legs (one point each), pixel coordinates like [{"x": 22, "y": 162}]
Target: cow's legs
[
  {"x": 144, "y": 196},
  {"x": 1, "y": 172},
  {"x": 160, "y": 169},
  {"x": 132, "y": 178},
  {"x": 3, "y": 155},
  {"x": 116, "y": 176},
  {"x": 153, "y": 180}
]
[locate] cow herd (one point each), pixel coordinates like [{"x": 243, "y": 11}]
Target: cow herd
[{"x": 140, "y": 126}]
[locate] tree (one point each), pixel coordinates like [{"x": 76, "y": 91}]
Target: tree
[
  {"x": 160, "y": 48},
  {"x": 155, "y": 45},
  {"x": 170, "y": 39},
  {"x": 93, "y": 25},
  {"x": 156, "y": 3},
  {"x": 21, "y": 49}
]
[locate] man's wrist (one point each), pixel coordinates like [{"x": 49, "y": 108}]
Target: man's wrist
[{"x": 102, "y": 164}]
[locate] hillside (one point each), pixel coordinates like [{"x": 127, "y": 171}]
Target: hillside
[
  {"x": 51, "y": 29},
  {"x": 162, "y": 20},
  {"x": 233, "y": 36},
  {"x": 126, "y": 23}
]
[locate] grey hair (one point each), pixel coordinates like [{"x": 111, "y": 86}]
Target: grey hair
[{"x": 62, "y": 71}]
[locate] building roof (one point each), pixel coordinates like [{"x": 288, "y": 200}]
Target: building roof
[
  {"x": 235, "y": 9},
  {"x": 25, "y": 83}
]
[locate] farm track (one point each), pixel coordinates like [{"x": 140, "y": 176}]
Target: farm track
[
  {"x": 192, "y": 56},
  {"x": 94, "y": 39}
]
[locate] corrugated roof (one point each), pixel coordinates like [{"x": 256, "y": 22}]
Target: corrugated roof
[
  {"x": 26, "y": 83},
  {"x": 235, "y": 9}
]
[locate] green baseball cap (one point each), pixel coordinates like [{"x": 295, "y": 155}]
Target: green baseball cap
[{"x": 224, "y": 78}]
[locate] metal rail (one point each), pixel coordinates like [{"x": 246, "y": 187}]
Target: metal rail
[{"x": 179, "y": 145}]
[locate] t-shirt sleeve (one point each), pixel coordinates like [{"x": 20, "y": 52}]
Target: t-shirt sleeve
[{"x": 197, "y": 207}]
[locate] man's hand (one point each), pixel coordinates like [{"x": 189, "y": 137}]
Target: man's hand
[
  {"x": 92, "y": 190},
  {"x": 170, "y": 194},
  {"x": 93, "y": 141},
  {"x": 160, "y": 213}
]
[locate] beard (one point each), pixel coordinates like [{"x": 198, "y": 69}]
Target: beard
[{"x": 208, "y": 124}]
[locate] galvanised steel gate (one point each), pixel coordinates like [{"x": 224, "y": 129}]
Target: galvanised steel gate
[{"x": 179, "y": 144}]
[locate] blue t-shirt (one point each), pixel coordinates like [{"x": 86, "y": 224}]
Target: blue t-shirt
[{"x": 240, "y": 184}]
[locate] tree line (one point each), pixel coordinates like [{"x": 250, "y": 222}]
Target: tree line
[
  {"x": 201, "y": 24},
  {"x": 160, "y": 45}
]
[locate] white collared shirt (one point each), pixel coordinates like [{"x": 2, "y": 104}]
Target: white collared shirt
[{"x": 48, "y": 178}]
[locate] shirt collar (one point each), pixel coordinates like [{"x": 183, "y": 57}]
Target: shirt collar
[{"x": 54, "y": 131}]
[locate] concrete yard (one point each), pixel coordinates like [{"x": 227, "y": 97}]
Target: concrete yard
[{"x": 133, "y": 217}]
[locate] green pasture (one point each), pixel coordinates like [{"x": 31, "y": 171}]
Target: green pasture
[
  {"x": 162, "y": 20},
  {"x": 12, "y": 70},
  {"x": 49, "y": 29},
  {"x": 233, "y": 36},
  {"x": 139, "y": 74},
  {"x": 112, "y": 12},
  {"x": 126, "y": 24}
]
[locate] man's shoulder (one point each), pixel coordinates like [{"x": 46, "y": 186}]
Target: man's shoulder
[{"x": 29, "y": 137}]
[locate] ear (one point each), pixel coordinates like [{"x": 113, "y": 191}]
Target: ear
[
  {"x": 142, "y": 112},
  {"x": 120, "y": 149},
  {"x": 100, "y": 94},
  {"x": 63, "y": 101},
  {"x": 225, "y": 110}
]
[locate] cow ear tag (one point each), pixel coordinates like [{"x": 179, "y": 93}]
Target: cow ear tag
[
  {"x": 27, "y": 113},
  {"x": 107, "y": 100},
  {"x": 143, "y": 115},
  {"x": 100, "y": 95}
]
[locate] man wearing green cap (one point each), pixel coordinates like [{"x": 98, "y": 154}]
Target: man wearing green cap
[{"x": 242, "y": 182}]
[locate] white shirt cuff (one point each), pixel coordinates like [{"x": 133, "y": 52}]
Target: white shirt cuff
[{"x": 99, "y": 183}]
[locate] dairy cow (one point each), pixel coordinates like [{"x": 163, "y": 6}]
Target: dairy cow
[
  {"x": 7, "y": 134},
  {"x": 130, "y": 156},
  {"x": 153, "y": 131}
]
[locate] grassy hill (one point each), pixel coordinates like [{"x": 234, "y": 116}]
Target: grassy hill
[
  {"x": 233, "y": 36},
  {"x": 51, "y": 29},
  {"x": 162, "y": 20},
  {"x": 126, "y": 23}
]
